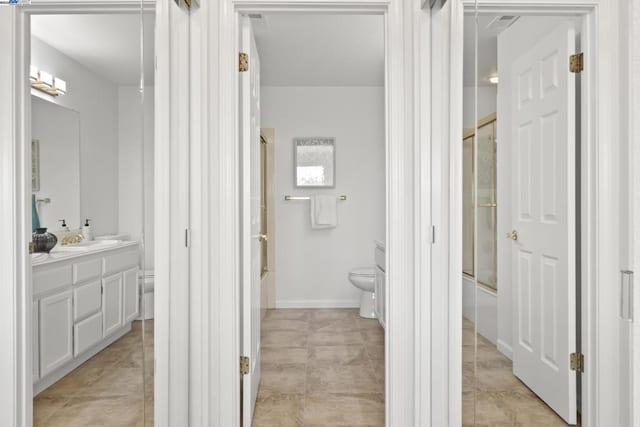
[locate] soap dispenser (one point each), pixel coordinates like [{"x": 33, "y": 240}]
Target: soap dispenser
[
  {"x": 87, "y": 232},
  {"x": 63, "y": 226}
]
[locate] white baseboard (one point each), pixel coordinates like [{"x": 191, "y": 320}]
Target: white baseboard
[
  {"x": 318, "y": 303},
  {"x": 505, "y": 349}
]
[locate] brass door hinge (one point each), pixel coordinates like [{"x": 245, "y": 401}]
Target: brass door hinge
[
  {"x": 577, "y": 362},
  {"x": 244, "y": 62},
  {"x": 576, "y": 63},
  {"x": 244, "y": 365}
]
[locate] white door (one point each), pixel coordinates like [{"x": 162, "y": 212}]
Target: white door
[
  {"x": 543, "y": 215},
  {"x": 56, "y": 331},
  {"x": 111, "y": 304},
  {"x": 251, "y": 223}
]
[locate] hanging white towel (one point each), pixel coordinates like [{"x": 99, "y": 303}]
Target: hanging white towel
[{"x": 323, "y": 211}]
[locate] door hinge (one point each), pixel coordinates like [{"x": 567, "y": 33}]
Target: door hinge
[
  {"x": 433, "y": 234},
  {"x": 244, "y": 365},
  {"x": 576, "y": 63},
  {"x": 187, "y": 237},
  {"x": 577, "y": 362},
  {"x": 244, "y": 62}
]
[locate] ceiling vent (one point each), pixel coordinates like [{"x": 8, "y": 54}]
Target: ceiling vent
[{"x": 501, "y": 23}]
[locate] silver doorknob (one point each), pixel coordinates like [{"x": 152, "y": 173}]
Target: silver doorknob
[{"x": 513, "y": 235}]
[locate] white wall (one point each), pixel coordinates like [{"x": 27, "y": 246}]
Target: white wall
[
  {"x": 58, "y": 130},
  {"x": 312, "y": 266},
  {"x": 133, "y": 128},
  {"x": 487, "y": 98},
  {"x": 95, "y": 99}
]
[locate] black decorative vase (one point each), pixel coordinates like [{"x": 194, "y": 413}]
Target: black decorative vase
[{"x": 43, "y": 241}]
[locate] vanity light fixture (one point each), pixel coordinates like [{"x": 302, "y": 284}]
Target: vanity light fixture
[
  {"x": 493, "y": 79},
  {"x": 47, "y": 83}
]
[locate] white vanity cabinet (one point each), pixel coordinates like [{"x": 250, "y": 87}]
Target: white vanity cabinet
[
  {"x": 82, "y": 302},
  {"x": 380, "y": 283}
]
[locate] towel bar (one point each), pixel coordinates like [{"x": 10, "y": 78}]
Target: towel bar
[{"x": 287, "y": 197}]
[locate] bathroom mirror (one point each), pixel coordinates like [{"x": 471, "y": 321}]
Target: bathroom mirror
[
  {"x": 56, "y": 162},
  {"x": 315, "y": 162}
]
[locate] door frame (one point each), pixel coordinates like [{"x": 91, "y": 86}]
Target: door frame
[
  {"x": 600, "y": 254},
  {"x": 16, "y": 391},
  {"x": 408, "y": 214}
]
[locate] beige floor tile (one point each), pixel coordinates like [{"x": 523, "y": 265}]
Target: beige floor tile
[
  {"x": 342, "y": 379},
  {"x": 337, "y": 355},
  {"x": 284, "y": 355},
  {"x": 77, "y": 383},
  {"x": 284, "y": 339},
  {"x": 45, "y": 407},
  {"x": 289, "y": 314},
  {"x": 283, "y": 379},
  {"x": 278, "y": 410},
  {"x": 346, "y": 409},
  {"x": 271, "y": 324},
  {"x": 327, "y": 314},
  {"x": 107, "y": 412},
  {"x": 375, "y": 350},
  {"x": 334, "y": 338},
  {"x": 374, "y": 336}
]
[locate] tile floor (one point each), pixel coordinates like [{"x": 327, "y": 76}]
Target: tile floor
[
  {"x": 107, "y": 390},
  {"x": 320, "y": 368},
  {"x": 502, "y": 400}
]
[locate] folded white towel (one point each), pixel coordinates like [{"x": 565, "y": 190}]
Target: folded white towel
[{"x": 323, "y": 211}]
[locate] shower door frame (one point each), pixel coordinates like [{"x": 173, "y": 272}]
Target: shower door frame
[
  {"x": 600, "y": 258},
  {"x": 16, "y": 390}
]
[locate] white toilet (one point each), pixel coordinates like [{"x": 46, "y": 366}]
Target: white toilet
[{"x": 364, "y": 279}]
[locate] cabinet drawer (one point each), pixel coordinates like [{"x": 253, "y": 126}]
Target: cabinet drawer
[
  {"x": 379, "y": 258},
  {"x": 48, "y": 279},
  {"x": 87, "y": 299},
  {"x": 119, "y": 262},
  {"x": 87, "y": 270},
  {"x": 87, "y": 333}
]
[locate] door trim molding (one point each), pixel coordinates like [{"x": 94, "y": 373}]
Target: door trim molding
[
  {"x": 600, "y": 203},
  {"x": 16, "y": 391},
  {"x": 215, "y": 135}
]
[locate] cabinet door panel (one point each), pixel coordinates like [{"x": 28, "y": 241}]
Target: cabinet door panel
[
  {"x": 35, "y": 313},
  {"x": 131, "y": 295},
  {"x": 56, "y": 331},
  {"x": 87, "y": 333},
  {"x": 111, "y": 304},
  {"x": 87, "y": 300}
]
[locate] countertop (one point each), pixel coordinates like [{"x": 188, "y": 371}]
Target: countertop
[{"x": 94, "y": 247}]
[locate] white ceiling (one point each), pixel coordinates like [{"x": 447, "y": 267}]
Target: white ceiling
[
  {"x": 108, "y": 45},
  {"x": 487, "y": 50},
  {"x": 321, "y": 50}
]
